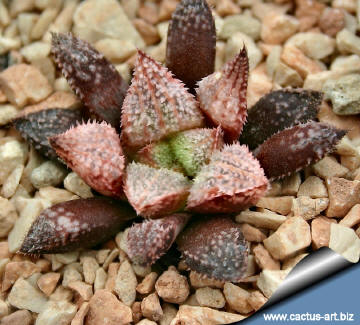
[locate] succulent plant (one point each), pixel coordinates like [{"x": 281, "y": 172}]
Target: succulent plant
[{"x": 169, "y": 153}]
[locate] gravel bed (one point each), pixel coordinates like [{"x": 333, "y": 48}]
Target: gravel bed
[{"x": 298, "y": 44}]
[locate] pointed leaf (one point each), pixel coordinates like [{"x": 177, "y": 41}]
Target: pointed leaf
[
  {"x": 91, "y": 76},
  {"x": 155, "y": 192},
  {"x": 75, "y": 224},
  {"x": 37, "y": 127},
  {"x": 215, "y": 247},
  {"x": 232, "y": 181},
  {"x": 191, "y": 41},
  {"x": 277, "y": 111},
  {"x": 297, "y": 147},
  {"x": 149, "y": 240},
  {"x": 222, "y": 96},
  {"x": 156, "y": 105},
  {"x": 93, "y": 151}
]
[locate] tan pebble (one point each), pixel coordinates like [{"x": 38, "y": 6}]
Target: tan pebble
[
  {"x": 25, "y": 23},
  {"x": 291, "y": 237},
  {"x": 61, "y": 84},
  {"x": 4, "y": 250},
  {"x": 67, "y": 258},
  {"x": 270, "y": 280},
  {"x": 101, "y": 255},
  {"x": 20, "y": 317},
  {"x": 259, "y": 84},
  {"x": 251, "y": 233},
  {"x": 146, "y": 322},
  {"x": 44, "y": 21},
  {"x": 343, "y": 195},
  {"x": 286, "y": 76},
  {"x": 112, "y": 273},
  {"x": 317, "y": 80},
  {"x": 34, "y": 161},
  {"x": 111, "y": 257},
  {"x": 252, "y": 267},
  {"x": 199, "y": 281},
  {"x": 352, "y": 218},
  {"x": 48, "y": 282},
  {"x": 297, "y": 60},
  {"x": 79, "y": 318},
  {"x": 136, "y": 311},
  {"x": 8, "y": 216},
  {"x": 59, "y": 99},
  {"x": 350, "y": 162},
  {"x": 332, "y": 21},
  {"x": 125, "y": 283},
  {"x": 4, "y": 15},
  {"x": 44, "y": 265},
  {"x": 237, "y": 298},
  {"x": 329, "y": 167},
  {"x": 204, "y": 315},
  {"x": 75, "y": 184},
  {"x": 344, "y": 241},
  {"x": 15, "y": 270},
  {"x": 4, "y": 309},
  {"x": 100, "y": 279},
  {"x": 308, "y": 12},
  {"x": 191, "y": 301},
  {"x": 170, "y": 312},
  {"x": 172, "y": 287},
  {"x": 116, "y": 50},
  {"x": 308, "y": 208},
  {"x": 246, "y": 24},
  {"x": 23, "y": 83},
  {"x": 264, "y": 259},
  {"x": 103, "y": 305},
  {"x": 290, "y": 184},
  {"x": 141, "y": 271},
  {"x": 166, "y": 9},
  {"x": 320, "y": 232},
  {"x": 347, "y": 42},
  {"x": 25, "y": 296},
  {"x": 348, "y": 5},
  {"x": 90, "y": 265},
  {"x": 358, "y": 231},
  {"x": 70, "y": 275},
  {"x": 83, "y": 289},
  {"x": 150, "y": 307},
  {"x": 18, "y": 6},
  {"x": 7, "y": 113},
  {"x": 268, "y": 219},
  {"x": 227, "y": 8},
  {"x": 280, "y": 205},
  {"x": 61, "y": 294},
  {"x": 313, "y": 187},
  {"x": 56, "y": 195},
  {"x": 277, "y": 28},
  {"x": 12, "y": 182},
  {"x": 314, "y": 45},
  {"x": 256, "y": 300},
  {"x": 56, "y": 312},
  {"x": 209, "y": 297},
  {"x": 351, "y": 123},
  {"x": 148, "y": 284},
  {"x": 275, "y": 189},
  {"x": 148, "y": 32},
  {"x": 149, "y": 12},
  {"x": 291, "y": 262}
]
